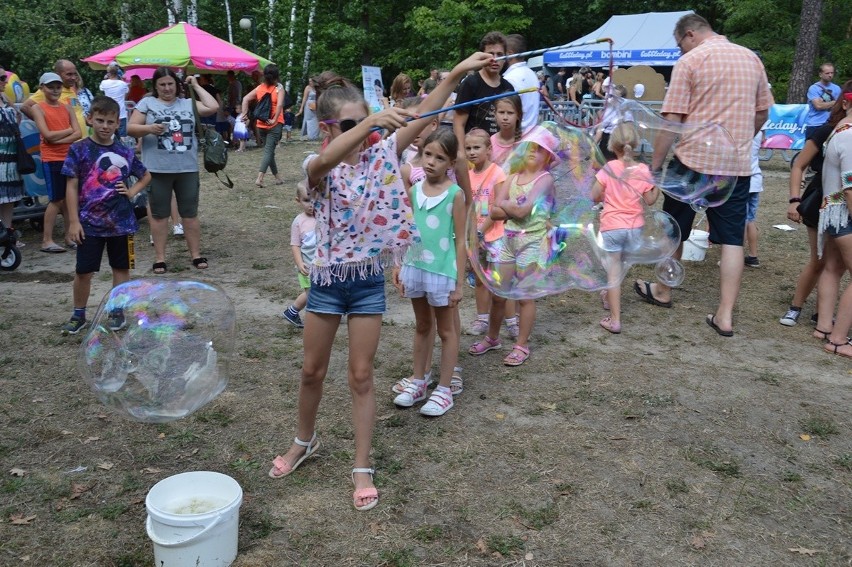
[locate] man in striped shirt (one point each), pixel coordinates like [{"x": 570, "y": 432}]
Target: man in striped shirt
[{"x": 721, "y": 82}]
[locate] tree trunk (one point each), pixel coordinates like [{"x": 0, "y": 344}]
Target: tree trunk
[
  {"x": 228, "y": 20},
  {"x": 307, "y": 62},
  {"x": 125, "y": 18},
  {"x": 290, "y": 45},
  {"x": 270, "y": 27},
  {"x": 192, "y": 13},
  {"x": 807, "y": 45}
]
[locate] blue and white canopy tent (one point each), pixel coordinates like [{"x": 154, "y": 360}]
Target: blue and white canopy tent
[{"x": 638, "y": 39}]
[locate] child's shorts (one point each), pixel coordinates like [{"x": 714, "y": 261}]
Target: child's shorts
[
  {"x": 119, "y": 249},
  {"x": 751, "y": 206},
  {"x": 288, "y": 127},
  {"x": 352, "y": 296},
  {"x": 436, "y": 288},
  {"x": 54, "y": 180},
  {"x": 621, "y": 239},
  {"x": 520, "y": 248},
  {"x": 304, "y": 281},
  {"x": 489, "y": 252}
]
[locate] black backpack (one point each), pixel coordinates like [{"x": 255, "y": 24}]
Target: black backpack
[
  {"x": 213, "y": 147},
  {"x": 263, "y": 110}
]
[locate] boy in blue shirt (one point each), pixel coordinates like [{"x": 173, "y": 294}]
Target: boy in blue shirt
[{"x": 100, "y": 211}]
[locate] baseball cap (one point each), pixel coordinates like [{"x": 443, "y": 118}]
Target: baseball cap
[{"x": 48, "y": 78}]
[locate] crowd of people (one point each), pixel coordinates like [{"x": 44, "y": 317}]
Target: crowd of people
[{"x": 369, "y": 201}]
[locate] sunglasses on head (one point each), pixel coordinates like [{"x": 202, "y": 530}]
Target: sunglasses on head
[{"x": 344, "y": 125}]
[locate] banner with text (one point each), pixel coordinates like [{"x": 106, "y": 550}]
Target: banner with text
[
  {"x": 374, "y": 88},
  {"x": 785, "y": 129}
]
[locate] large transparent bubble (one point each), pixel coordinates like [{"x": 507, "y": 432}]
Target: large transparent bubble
[
  {"x": 558, "y": 245},
  {"x": 172, "y": 355},
  {"x": 703, "y": 147}
]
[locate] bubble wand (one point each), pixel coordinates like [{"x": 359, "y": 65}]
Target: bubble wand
[
  {"x": 465, "y": 104},
  {"x": 546, "y": 49}
]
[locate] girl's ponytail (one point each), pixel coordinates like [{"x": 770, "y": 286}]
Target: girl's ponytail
[{"x": 333, "y": 91}]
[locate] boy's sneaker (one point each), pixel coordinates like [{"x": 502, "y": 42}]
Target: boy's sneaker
[
  {"x": 513, "y": 327},
  {"x": 116, "y": 320},
  {"x": 73, "y": 326},
  {"x": 791, "y": 317},
  {"x": 293, "y": 318},
  {"x": 177, "y": 229},
  {"x": 413, "y": 393},
  {"x": 439, "y": 403},
  {"x": 752, "y": 262},
  {"x": 477, "y": 327}
]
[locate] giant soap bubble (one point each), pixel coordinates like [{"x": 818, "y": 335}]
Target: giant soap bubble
[
  {"x": 567, "y": 250},
  {"x": 171, "y": 357}
]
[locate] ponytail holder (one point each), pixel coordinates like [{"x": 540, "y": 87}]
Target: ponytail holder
[{"x": 847, "y": 96}]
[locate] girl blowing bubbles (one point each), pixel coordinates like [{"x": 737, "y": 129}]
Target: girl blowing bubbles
[
  {"x": 430, "y": 276},
  {"x": 622, "y": 185},
  {"x": 525, "y": 201},
  {"x": 363, "y": 216}
]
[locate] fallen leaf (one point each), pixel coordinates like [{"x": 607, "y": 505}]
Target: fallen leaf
[
  {"x": 90, "y": 440},
  {"x": 136, "y": 501},
  {"x": 528, "y": 557},
  {"x": 805, "y": 437},
  {"x": 482, "y": 546},
  {"x": 66, "y": 432},
  {"x": 102, "y": 416},
  {"x": 161, "y": 436},
  {"x": 38, "y": 400},
  {"x": 151, "y": 470},
  {"x": 375, "y": 527},
  {"x": 497, "y": 555},
  {"x": 551, "y": 407},
  {"x": 17, "y": 472},
  {"x": 105, "y": 466},
  {"x": 78, "y": 490},
  {"x": 194, "y": 451},
  {"x": 697, "y": 542},
  {"x": 500, "y": 416},
  {"x": 804, "y": 551},
  {"x": 21, "y": 520},
  {"x": 60, "y": 505},
  {"x": 385, "y": 417}
]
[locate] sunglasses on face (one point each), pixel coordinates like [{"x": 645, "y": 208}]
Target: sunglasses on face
[
  {"x": 344, "y": 125},
  {"x": 3, "y": 77}
]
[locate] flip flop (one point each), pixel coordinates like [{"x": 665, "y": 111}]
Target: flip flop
[
  {"x": 54, "y": 249},
  {"x": 648, "y": 295},
  {"x": 832, "y": 347},
  {"x": 159, "y": 268},
  {"x": 711, "y": 320},
  {"x": 198, "y": 261}
]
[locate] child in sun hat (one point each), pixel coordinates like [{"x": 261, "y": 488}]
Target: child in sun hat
[{"x": 525, "y": 201}]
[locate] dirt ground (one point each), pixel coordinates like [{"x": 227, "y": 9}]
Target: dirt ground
[{"x": 665, "y": 445}]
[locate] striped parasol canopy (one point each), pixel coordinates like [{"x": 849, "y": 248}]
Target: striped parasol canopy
[{"x": 184, "y": 46}]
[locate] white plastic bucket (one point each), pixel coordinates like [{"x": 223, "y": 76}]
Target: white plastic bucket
[
  {"x": 696, "y": 246},
  {"x": 193, "y": 519}
]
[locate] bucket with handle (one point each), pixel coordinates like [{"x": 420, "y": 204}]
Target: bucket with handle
[
  {"x": 193, "y": 519},
  {"x": 696, "y": 246}
]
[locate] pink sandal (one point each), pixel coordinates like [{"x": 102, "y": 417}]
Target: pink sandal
[
  {"x": 614, "y": 328},
  {"x": 281, "y": 468},
  {"x": 518, "y": 356},
  {"x": 483, "y": 346}
]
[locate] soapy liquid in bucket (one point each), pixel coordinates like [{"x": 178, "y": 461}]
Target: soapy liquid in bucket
[{"x": 196, "y": 505}]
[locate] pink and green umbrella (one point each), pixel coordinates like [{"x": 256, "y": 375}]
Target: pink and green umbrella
[{"x": 180, "y": 45}]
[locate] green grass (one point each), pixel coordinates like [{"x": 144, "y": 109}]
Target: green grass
[
  {"x": 245, "y": 465},
  {"x": 708, "y": 459},
  {"x": 790, "y": 476},
  {"x": 429, "y": 533},
  {"x": 537, "y": 518},
  {"x": 844, "y": 461},
  {"x": 819, "y": 426},
  {"x": 677, "y": 486},
  {"x": 397, "y": 558},
  {"x": 504, "y": 544}
]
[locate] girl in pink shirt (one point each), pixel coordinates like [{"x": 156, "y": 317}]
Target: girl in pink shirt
[
  {"x": 622, "y": 185},
  {"x": 508, "y": 113}
]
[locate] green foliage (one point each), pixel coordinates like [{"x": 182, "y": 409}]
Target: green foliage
[{"x": 408, "y": 36}]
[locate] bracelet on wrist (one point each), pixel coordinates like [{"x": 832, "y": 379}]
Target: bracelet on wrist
[{"x": 795, "y": 200}]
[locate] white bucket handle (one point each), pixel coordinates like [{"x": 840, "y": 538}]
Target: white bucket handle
[{"x": 149, "y": 529}]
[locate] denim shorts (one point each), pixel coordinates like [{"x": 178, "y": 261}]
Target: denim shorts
[
  {"x": 751, "y": 207},
  {"x": 352, "y": 296},
  {"x": 837, "y": 232},
  {"x": 621, "y": 239}
]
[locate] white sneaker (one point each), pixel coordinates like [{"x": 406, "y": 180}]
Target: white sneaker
[
  {"x": 413, "y": 393},
  {"x": 177, "y": 230},
  {"x": 477, "y": 327},
  {"x": 439, "y": 403},
  {"x": 791, "y": 317}
]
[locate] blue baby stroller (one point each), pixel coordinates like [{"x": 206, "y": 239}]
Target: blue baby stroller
[{"x": 32, "y": 207}]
